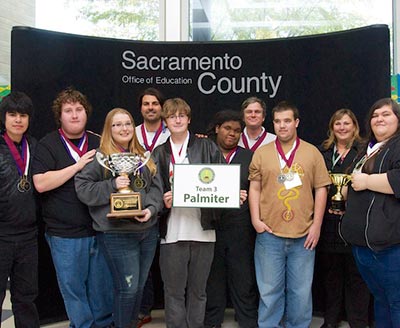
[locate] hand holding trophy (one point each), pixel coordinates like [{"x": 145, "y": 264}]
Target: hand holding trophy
[
  {"x": 340, "y": 180},
  {"x": 125, "y": 203}
]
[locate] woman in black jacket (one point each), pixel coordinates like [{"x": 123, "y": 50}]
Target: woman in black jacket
[
  {"x": 341, "y": 280},
  {"x": 372, "y": 220}
]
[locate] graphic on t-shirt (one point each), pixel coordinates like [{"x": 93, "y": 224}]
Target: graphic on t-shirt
[{"x": 288, "y": 195}]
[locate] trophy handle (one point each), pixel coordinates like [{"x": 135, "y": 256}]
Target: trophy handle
[
  {"x": 146, "y": 156},
  {"x": 101, "y": 158}
]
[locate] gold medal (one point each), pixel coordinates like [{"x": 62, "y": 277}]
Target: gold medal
[
  {"x": 139, "y": 183},
  {"x": 23, "y": 185}
]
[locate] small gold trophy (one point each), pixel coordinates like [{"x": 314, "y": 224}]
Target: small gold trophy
[
  {"x": 339, "y": 180},
  {"x": 125, "y": 204}
]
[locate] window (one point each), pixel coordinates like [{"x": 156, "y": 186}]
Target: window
[
  {"x": 122, "y": 19},
  {"x": 211, "y": 20},
  {"x": 259, "y": 19}
]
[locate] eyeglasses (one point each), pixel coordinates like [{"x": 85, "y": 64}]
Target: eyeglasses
[
  {"x": 120, "y": 125},
  {"x": 175, "y": 117}
]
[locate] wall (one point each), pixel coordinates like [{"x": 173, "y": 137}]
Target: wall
[{"x": 12, "y": 13}]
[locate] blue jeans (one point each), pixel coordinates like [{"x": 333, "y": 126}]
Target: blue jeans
[
  {"x": 284, "y": 272},
  {"x": 381, "y": 272},
  {"x": 129, "y": 256},
  {"x": 147, "y": 297},
  {"x": 84, "y": 279}
]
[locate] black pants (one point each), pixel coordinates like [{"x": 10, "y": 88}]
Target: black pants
[
  {"x": 343, "y": 283},
  {"x": 19, "y": 261},
  {"x": 232, "y": 271}
]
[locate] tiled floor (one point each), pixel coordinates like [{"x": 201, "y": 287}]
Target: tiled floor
[{"x": 158, "y": 319}]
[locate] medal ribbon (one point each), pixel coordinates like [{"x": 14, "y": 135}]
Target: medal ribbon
[
  {"x": 172, "y": 153},
  {"x": 372, "y": 149},
  {"x": 289, "y": 160},
  {"x": 155, "y": 138},
  {"x": 257, "y": 144},
  {"x": 75, "y": 152},
  {"x": 231, "y": 154},
  {"x": 22, "y": 162},
  {"x": 122, "y": 149},
  {"x": 180, "y": 155}
]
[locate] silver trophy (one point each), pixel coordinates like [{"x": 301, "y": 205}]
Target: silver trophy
[{"x": 125, "y": 203}]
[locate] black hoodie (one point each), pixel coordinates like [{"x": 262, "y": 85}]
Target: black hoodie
[{"x": 372, "y": 218}]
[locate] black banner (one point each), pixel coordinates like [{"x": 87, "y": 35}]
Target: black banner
[{"x": 318, "y": 73}]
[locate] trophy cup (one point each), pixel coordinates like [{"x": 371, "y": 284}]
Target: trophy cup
[
  {"x": 337, "y": 200},
  {"x": 125, "y": 203}
]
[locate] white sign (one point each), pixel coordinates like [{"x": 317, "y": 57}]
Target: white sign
[{"x": 206, "y": 185}]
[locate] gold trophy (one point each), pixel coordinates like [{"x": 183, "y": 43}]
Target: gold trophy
[
  {"x": 126, "y": 203},
  {"x": 339, "y": 180}
]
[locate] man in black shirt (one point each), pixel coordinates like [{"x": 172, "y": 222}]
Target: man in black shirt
[{"x": 82, "y": 273}]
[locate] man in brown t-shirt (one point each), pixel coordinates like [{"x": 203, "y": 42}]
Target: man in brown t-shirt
[{"x": 287, "y": 198}]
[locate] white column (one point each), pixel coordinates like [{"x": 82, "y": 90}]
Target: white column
[
  {"x": 174, "y": 20},
  {"x": 12, "y": 13}
]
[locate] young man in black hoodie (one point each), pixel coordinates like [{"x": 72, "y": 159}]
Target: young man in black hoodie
[{"x": 18, "y": 227}]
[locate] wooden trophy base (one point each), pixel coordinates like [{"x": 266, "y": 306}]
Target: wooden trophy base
[{"x": 125, "y": 206}]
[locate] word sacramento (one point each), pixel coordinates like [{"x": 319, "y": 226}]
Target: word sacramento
[{"x": 156, "y": 63}]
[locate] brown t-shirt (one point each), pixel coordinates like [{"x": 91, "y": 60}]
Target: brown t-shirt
[{"x": 289, "y": 213}]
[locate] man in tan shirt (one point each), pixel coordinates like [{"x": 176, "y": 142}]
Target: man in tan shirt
[{"x": 287, "y": 198}]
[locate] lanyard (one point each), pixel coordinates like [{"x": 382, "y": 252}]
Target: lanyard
[
  {"x": 257, "y": 143},
  {"x": 155, "y": 138},
  {"x": 336, "y": 156},
  {"x": 75, "y": 152},
  {"x": 372, "y": 149},
  {"x": 289, "y": 160},
  {"x": 177, "y": 155},
  {"x": 122, "y": 149},
  {"x": 22, "y": 162},
  {"x": 229, "y": 157}
]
